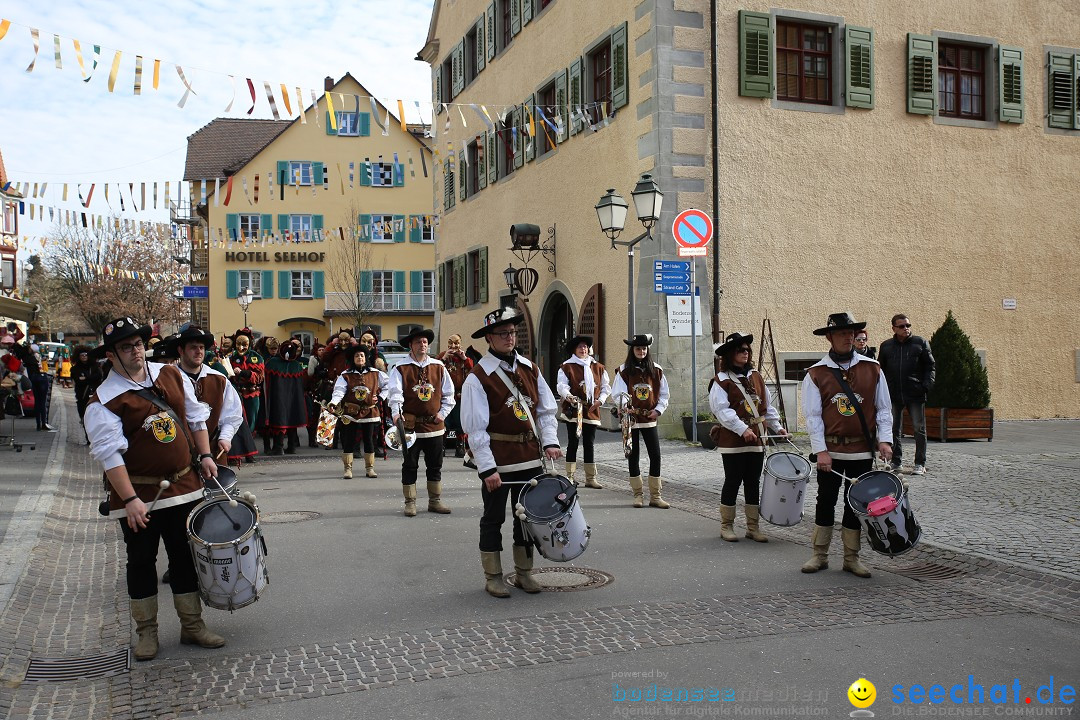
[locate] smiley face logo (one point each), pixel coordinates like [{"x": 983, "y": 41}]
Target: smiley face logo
[{"x": 862, "y": 693}]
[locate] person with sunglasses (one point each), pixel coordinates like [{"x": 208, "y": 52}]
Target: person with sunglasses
[
  {"x": 862, "y": 348},
  {"x": 909, "y": 369}
]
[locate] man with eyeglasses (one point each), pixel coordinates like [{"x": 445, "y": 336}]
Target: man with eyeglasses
[
  {"x": 508, "y": 410},
  {"x": 146, "y": 426},
  {"x": 909, "y": 369}
]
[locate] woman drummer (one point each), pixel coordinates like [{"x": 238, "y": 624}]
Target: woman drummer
[
  {"x": 357, "y": 392},
  {"x": 743, "y": 406},
  {"x": 582, "y": 384},
  {"x": 644, "y": 382}
]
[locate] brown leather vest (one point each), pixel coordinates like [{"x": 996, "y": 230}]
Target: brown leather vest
[
  {"x": 361, "y": 399},
  {"x": 755, "y": 386},
  {"x": 838, "y": 414},
  {"x": 575, "y": 375},
  {"x": 422, "y": 387},
  {"x": 505, "y": 415}
]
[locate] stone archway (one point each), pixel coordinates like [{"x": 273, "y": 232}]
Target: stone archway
[{"x": 556, "y": 327}]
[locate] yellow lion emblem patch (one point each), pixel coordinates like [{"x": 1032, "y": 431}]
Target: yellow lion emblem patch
[
  {"x": 424, "y": 391},
  {"x": 360, "y": 392},
  {"x": 843, "y": 404},
  {"x": 161, "y": 426},
  {"x": 642, "y": 392}
]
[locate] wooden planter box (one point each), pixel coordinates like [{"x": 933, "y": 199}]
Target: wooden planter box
[
  {"x": 955, "y": 424},
  {"x": 703, "y": 428}
]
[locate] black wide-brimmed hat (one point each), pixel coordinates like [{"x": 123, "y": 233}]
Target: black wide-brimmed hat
[
  {"x": 418, "y": 333},
  {"x": 170, "y": 347},
  {"x": 639, "y": 340},
  {"x": 840, "y": 321},
  {"x": 732, "y": 340},
  {"x": 572, "y": 343},
  {"x": 493, "y": 319},
  {"x": 121, "y": 329}
]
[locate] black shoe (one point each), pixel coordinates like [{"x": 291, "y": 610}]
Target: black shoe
[
  {"x": 248, "y": 459},
  {"x": 165, "y": 578}
]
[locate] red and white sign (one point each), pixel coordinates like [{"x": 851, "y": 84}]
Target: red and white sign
[{"x": 692, "y": 230}]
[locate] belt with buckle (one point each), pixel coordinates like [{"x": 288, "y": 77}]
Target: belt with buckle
[{"x": 524, "y": 437}]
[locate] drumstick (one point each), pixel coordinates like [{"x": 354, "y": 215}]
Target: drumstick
[
  {"x": 162, "y": 487},
  {"x": 232, "y": 500},
  {"x": 235, "y": 525}
]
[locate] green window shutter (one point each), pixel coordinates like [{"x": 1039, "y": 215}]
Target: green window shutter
[
  {"x": 492, "y": 157},
  {"x": 399, "y": 281},
  {"x": 232, "y": 226},
  {"x": 266, "y": 224},
  {"x": 329, "y": 130},
  {"x": 416, "y": 290},
  {"x": 462, "y": 173},
  {"x": 515, "y": 17},
  {"x": 440, "y": 279},
  {"x": 365, "y": 227},
  {"x": 317, "y": 285},
  {"x": 399, "y": 228},
  {"x": 317, "y": 173},
  {"x": 283, "y": 173},
  {"x": 365, "y": 174},
  {"x": 527, "y": 111},
  {"x": 859, "y": 86},
  {"x": 284, "y": 284},
  {"x": 447, "y": 185},
  {"x": 317, "y": 228},
  {"x": 415, "y": 229},
  {"x": 482, "y": 291},
  {"x": 561, "y": 107},
  {"x": 459, "y": 281},
  {"x": 458, "y": 66},
  {"x": 436, "y": 86},
  {"x": 1061, "y": 86},
  {"x": 755, "y": 54},
  {"x": 481, "y": 45},
  {"x": 283, "y": 223},
  {"x": 620, "y": 81},
  {"x": 399, "y": 175},
  {"x": 365, "y": 124},
  {"x": 268, "y": 284},
  {"x": 481, "y": 157},
  {"x": 365, "y": 281},
  {"x": 490, "y": 39},
  {"x": 922, "y": 73},
  {"x": 526, "y": 12},
  {"x": 232, "y": 283},
  {"x": 576, "y": 97},
  {"x": 1010, "y": 84},
  {"x": 519, "y": 140}
]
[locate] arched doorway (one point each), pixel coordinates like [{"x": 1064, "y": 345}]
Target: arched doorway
[{"x": 556, "y": 327}]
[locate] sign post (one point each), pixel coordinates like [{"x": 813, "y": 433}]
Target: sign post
[{"x": 692, "y": 231}]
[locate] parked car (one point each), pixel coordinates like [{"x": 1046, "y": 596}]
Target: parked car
[{"x": 394, "y": 353}]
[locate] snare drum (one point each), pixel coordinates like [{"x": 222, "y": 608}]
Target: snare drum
[
  {"x": 880, "y": 500},
  {"x": 783, "y": 488},
  {"x": 226, "y": 479},
  {"x": 552, "y": 519},
  {"x": 229, "y": 552}
]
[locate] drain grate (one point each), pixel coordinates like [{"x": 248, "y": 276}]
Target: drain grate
[
  {"x": 929, "y": 571},
  {"x": 82, "y": 668},
  {"x": 567, "y": 579},
  {"x": 289, "y": 516}
]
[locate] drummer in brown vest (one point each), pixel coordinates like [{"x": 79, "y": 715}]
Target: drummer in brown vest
[
  {"x": 145, "y": 424},
  {"x": 839, "y": 437},
  {"x": 509, "y": 412},
  {"x": 582, "y": 383},
  {"x": 743, "y": 406},
  {"x": 421, "y": 392}
]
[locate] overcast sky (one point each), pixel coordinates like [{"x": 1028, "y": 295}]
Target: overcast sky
[{"x": 56, "y": 128}]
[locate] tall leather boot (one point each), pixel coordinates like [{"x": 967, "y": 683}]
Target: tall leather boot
[
  {"x": 655, "y": 485},
  {"x": 144, "y": 613},
  {"x": 492, "y": 562},
  {"x": 571, "y": 468},
  {"x": 752, "y": 530},
  {"x": 346, "y": 460},
  {"x": 435, "y": 503},
  {"x": 410, "y": 500},
  {"x": 193, "y": 630},
  {"x": 590, "y": 477},
  {"x": 727, "y": 523},
  {"x": 292, "y": 442},
  {"x": 369, "y": 465},
  {"x": 639, "y": 494},
  {"x": 820, "y": 539},
  {"x": 852, "y": 539},
  {"x": 523, "y": 565}
]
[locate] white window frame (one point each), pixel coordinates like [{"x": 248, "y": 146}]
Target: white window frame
[
  {"x": 10, "y": 224},
  {"x": 348, "y": 123},
  {"x": 427, "y": 229},
  {"x": 299, "y": 279},
  {"x": 378, "y": 223},
  {"x": 306, "y": 338},
  {"x": 382, "y": 289},
  {"x": 306, "y": 172},
  {"x": 251, "y": 279},
  {"x": 377, "y": 170},
  {"x": 303, "y": 233},
  {"x": 427, "y": 281},
  {"x": 246, "y": 221}
]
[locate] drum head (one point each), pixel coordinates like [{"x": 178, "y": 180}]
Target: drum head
[
  {"x": 872, "y": 486},
  {"x": 226, "y": 478},
  {"x": 550, "y": 498},
  {"x": 787, "y": 466},
  {"x": 216, "y": 522}
]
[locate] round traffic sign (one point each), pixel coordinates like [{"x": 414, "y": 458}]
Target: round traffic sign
[{"x": 692, "y": 229}]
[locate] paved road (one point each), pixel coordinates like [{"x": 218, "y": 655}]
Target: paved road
[{"x": 371, "y": 614}]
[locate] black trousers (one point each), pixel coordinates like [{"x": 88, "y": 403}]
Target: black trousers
[
  {"x": 651, "y": 436},
  {"x": 170, "y": 525},
  {"x": 588, "y": 435},
  {"x": 491, "y": 521},
  {"x": 432, "y": 447},
  {"x": 829, "y": 490},
  {"x": 366, "y": 432},
  {"x": 742, "y": 469}
]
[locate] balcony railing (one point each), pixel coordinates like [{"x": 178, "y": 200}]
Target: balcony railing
[{"x": 344, "y": 303}]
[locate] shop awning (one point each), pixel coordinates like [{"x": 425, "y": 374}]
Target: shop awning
[
  {"x": 17, "y": 309},
  {"x": 289, "y": 321}
]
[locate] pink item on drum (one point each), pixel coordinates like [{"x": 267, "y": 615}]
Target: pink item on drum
[{"x": 882, "y": 506}]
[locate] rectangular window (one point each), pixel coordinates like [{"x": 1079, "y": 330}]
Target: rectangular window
[
  {"x": 961, "y": 81},
  {"x": 382, "y": 228},
  {"x": 796, "y": 369},
  {"x": 427, "y": 229},
  {"x": 382, "y": 289},
  {"x": 300, "y": 172},
  {"x": 504, "y": 15},
  {"x": 545, "y": 100},
  {"x": 302, "y": 284},
  {"x": 508, "y": 140},
  {"x": 7, "y": 274},
  {"x": 447, "y": 83},
  {"x": 428, "y": 281},
  {"x": 475, "y": 155},
  {"x": 382, "y": 174},
  {"x": 250, "y": 225},
  {"x": 470, "y": 55},
  {"x": 803, "y": 62},
  {"x": 473, "y": 289},
  {"x": 251, "y": 279},
  {"x": 600, "y": 81},
  {"x": 300, "y": 228},
  {"x": 10, "y": 225},
  {"x": 348, "y": 123}
]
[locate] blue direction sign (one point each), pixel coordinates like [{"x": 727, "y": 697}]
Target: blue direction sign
[
  {"x": 671, "y": 265},
  {"x": 681, "y": 277},
  {"x": 192, "y": 292},
  {"x": 673, "y": 288}
]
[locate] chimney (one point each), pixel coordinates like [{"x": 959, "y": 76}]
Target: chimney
[{"x": 328, "y": 84}]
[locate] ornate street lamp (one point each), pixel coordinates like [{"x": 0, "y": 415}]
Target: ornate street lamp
[{"x": 244, "y": 300}]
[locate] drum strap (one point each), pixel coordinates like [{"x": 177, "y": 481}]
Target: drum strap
[
  {"x": 758, "y": 420},
  {"x": 152, "y": 397},
  {"x": 521, "y": 401},
  {"x": 854, "y": 403}
]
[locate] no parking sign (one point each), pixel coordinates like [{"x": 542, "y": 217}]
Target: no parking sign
[{"x": 692, "y": 231}]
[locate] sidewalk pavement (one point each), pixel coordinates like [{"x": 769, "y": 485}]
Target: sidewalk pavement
[{"x": 372, "y": 614}]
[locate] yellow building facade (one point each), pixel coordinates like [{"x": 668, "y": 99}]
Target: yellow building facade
[
  {"x": 329, "y": 223},
  {"x": 879, "y": 159}
]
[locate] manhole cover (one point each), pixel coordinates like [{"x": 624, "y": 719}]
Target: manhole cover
[
  {"x": 567, "y": 579},
  {"x": 929, "y": 571},
  {"x": 289, "y": 516},
  {"x": 81, "y": 668}
]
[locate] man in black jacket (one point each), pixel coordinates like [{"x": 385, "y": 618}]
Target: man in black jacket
[{"x": 908, "y": 365}]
